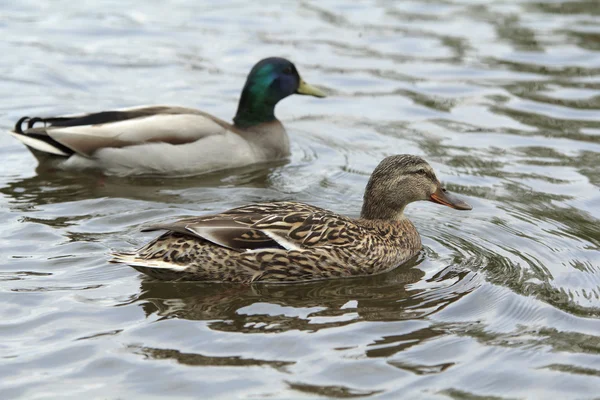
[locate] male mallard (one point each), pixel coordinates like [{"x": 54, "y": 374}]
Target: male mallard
[
  {"x": 288, "y": 241},
  {"x": 158, "y": 140}
]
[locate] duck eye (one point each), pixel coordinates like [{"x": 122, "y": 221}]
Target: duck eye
[
  {"x": 287, "y": 70},
  {"x": 421, "y": 172}
]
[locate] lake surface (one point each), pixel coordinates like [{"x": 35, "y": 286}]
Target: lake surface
[{"x": 502, "y": 98}]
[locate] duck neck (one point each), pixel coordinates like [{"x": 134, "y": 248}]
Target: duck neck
[
  {"x": 374, "y": 213},
  {"x": 254, "y": 107},
  {"x": 374, "y": 209}
]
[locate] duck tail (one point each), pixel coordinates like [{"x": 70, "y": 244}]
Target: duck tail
[
  {"x": 155, "y": 268},
  {"x": 32, "y": 121},
  {"x": 37, "y": 139}
]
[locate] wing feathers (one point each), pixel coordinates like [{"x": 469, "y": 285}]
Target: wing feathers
[
  {"x": 173, "y": 129},
  {"x": 87, "y": 133},
  {"x": 282, "y": 241},
  {"x": 227, "y": 233},
  {"x": 237, "y": 238},
  {"x": 279, "y": 226}
]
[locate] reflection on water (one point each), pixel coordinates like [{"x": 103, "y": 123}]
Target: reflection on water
[
  {"x": 501, "y": 98},
  {"x": 47, "y": 187},
  {"x": 378, "y": 298}
]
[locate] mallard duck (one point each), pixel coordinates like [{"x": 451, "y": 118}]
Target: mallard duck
[
  {"x": 292, "y": 242},
  {"x": 165, "y": 140}
]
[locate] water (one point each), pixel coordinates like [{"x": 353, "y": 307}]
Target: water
[{"x": 503, "y": 99}]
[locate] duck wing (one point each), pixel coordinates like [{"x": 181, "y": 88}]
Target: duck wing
[
  {"x": 262, "y": 226},
  {"x": 86, "y": 133}
]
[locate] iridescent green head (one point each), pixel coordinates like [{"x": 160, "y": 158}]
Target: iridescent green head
[{"x": 270, "y": 80}]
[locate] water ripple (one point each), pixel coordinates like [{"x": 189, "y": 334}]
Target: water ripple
[{"x": 503, "y": 301}]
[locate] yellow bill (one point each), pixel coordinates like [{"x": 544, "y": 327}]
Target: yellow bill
[{"x": 305, "y": 88}]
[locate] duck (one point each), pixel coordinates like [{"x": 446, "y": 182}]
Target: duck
[
  {"x": 283, "y": 242},
  {"x": 171, "y": 140}
]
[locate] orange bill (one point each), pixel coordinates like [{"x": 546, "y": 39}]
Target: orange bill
[{"x": 441, "y": 196}]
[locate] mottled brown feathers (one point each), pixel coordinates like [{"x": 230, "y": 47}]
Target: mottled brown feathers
[
  {"x": 292, "y": 242},
  {"x": 317, "y": 244}
]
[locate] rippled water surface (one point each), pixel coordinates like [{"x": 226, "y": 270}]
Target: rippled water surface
[{"x": 501, "y": 97}]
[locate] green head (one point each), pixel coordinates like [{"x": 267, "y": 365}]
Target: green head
[{"x": 270, "y": 80}]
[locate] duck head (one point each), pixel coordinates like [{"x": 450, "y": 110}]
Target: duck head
[
  {"x": 270, "y": 81},
  {"x": 400, "y": 180}
]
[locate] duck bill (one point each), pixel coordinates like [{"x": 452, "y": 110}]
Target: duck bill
[
  {"x": 441, "y": 196},
  {"x": 309, "y": 90}
]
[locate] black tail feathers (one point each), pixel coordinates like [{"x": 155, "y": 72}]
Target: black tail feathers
[
  {"x": 19, "y": 124},
  {"x": 32, "y": 121}
]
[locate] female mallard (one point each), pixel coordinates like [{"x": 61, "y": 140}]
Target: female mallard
[
  {"x": 164, "y": 140},
  {"x": 288, "y": 241}
]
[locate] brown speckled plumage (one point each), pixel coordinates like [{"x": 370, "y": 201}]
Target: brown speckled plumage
[{"x": 291, "y": 242}]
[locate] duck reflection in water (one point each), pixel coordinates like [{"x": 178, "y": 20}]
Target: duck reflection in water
[{"x": 308, "y": 306}]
